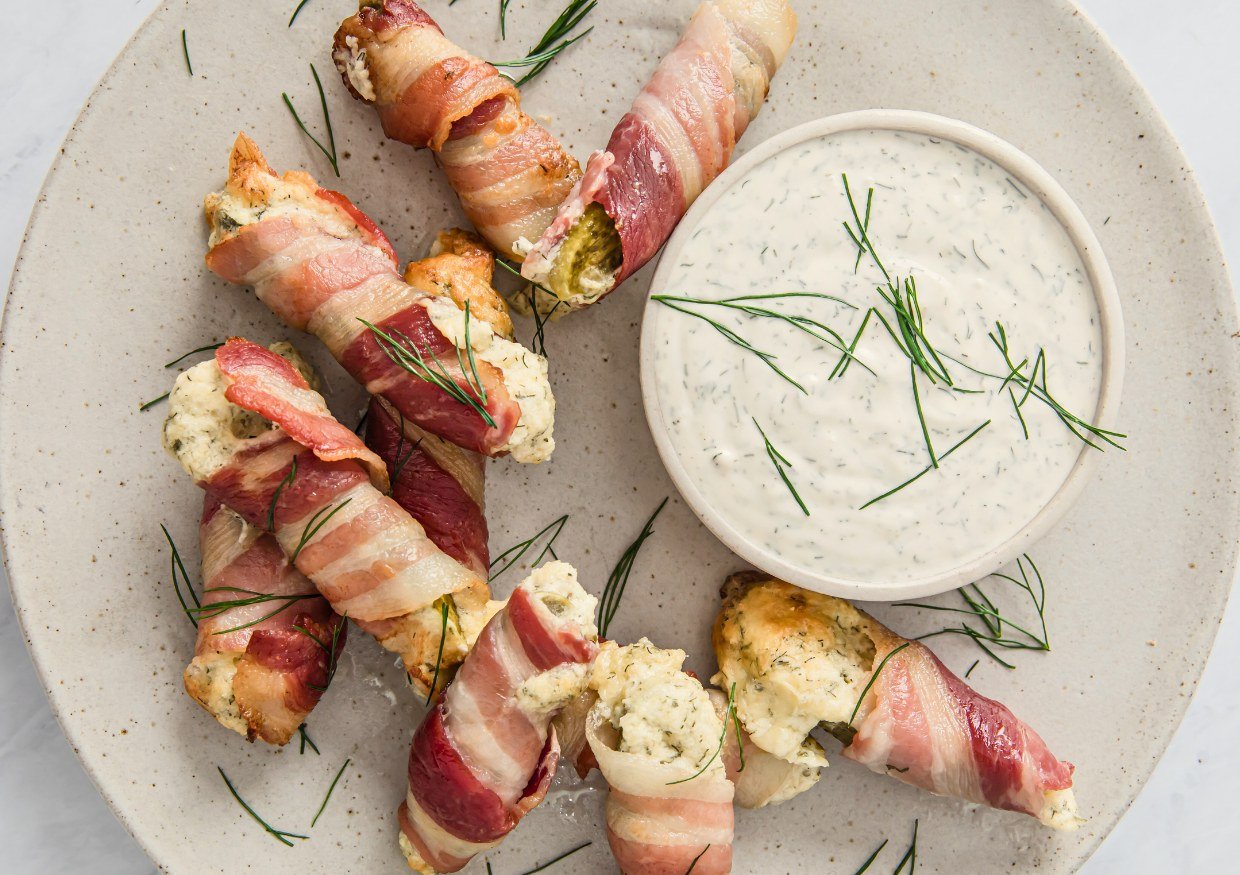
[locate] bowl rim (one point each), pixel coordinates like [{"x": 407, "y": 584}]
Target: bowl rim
[{"x": 1040, "y": 183}]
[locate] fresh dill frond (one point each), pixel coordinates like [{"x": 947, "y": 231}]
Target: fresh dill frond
[
  {"x": 275, "y": 496},
  {"x": 332, "y": 650},
  {"x": 329, "y": 151},
  {"x": 1036, "y": 387},
  {"x": 781, "y": 463},
  {"x": 555, "y": 860},
  {"x": 314, "y": 525},
  {"x": 744, "y": 304},
  {"x": 513, "y": 554},
  {"x": 728, "y": 717},
  {"x": 618, "y": 580},
  {"x": 921, "y": 416},
  {"x": 443, "y": 636},
  {"x": 555, "y": 40},
  {"x": 870, "y": 859},
  {"x": 297, "y": 12},
  {"x": 873, "y": 677},
  {"x": 700, "y": 855},
  {"x": 539, "y": 342},
  {"x": 400, "y": 462},
  {"x": 215, "y": 609},
  {"x": 306, "y": 739},
  {"x": 148, "y": 405},
  {"x": 980, "y": 607},
  {"x": 330, "y": 790},
  {"x": 404, "y": 353},
  {"x": 185, "y": 52},
  {"x": 181, "y": 577},
  {"x": 910, "y": 856},
  {"x": 926, "y": 470},
  {"x": 208, "y": 348},
  {"x": 278, "y": 834},
  {"x": 503, "y": 18}
]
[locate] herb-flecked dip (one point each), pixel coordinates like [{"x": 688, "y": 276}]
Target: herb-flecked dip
[{"x": 969, "y": 393}]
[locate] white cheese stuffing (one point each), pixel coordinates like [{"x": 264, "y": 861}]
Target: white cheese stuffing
[
  {"x": 807, "y": 682},
  {"x": 204, "y": 429},
  {"x": 549, "y": 691},
  {"x": 271, "y": 197},
  {"x": 555, "y": 584},
  {"x": 209, "y": 679},
  {"x": 351, "y": 61},
  {"x": 1059, "y": 810},
  {"x": 525, "y": 377},
  {"x": 659, "y": 711}
]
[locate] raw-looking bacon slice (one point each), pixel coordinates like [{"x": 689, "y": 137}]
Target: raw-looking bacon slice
[
  {"x": 485, "y": 754},
  {"x": 258, "y": 668},
  {"x": 266, "y": 383},
  {"x": 323, "y": 267},
  {"x": 510, "y": 173},
  {"x": 438, "y": 483},
  {"x": 656, "y": 737},
  {"x": 800, "y": 659},
  {"x": 677, "y": 137},
  {"x": 364, "y": 553}
]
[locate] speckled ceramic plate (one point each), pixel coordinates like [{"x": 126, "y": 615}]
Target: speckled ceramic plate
[{"x": 110, "y": 284}]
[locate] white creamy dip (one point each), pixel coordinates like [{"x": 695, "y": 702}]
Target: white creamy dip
[{"x": 981, "y": 249}]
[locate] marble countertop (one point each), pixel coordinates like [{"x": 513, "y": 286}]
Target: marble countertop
[{"x": 51, "y": 817}]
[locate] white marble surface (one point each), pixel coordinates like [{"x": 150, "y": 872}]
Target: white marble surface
[{"x": 51, "y": 818}]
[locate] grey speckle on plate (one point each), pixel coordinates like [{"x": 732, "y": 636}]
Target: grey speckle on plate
[{"x": 110, "y": 284}]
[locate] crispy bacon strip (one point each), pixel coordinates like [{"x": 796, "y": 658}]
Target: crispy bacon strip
[
  {"x": 677, "y": 137},
  {"x": 438, "y": 483},
  {"x": 259, "y": 669},
  {"x": 510, "y": 173},
  {"x": 323, "y": 267},
  {"x": 800, "y": 659},
  {"x": 485, "y": 755},
  {"x": 365, "y": 554}
]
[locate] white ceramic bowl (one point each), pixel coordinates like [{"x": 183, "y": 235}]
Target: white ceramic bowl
[{"x": 1036, "y": 180}]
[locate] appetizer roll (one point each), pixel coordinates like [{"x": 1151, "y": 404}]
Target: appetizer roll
[
  {"x": 322, "y": 266},
  {"x": 251, "y": 432},
  {"x": 438, "y": 483},
  {"x": 800, "y": 659},
  {"x": 509, "y": 172},
  {"x": 267, "y": 641},
  {"x": 485, "y": 755},
  {"x": 657, "y": 739},
  {"x": 677, "y": 137}
]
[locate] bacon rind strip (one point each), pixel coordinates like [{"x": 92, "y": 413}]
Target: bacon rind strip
[
  {"x": 259, "y": 677},
  {"x": 316, "y": 261},
  {"x": 438, "y": 483},
  {"x": 510, "y": 173},
  {"x": 267, "y": 384},
  {"x": 679, "y": 134},
  {"x": 482, "y": 758}
]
